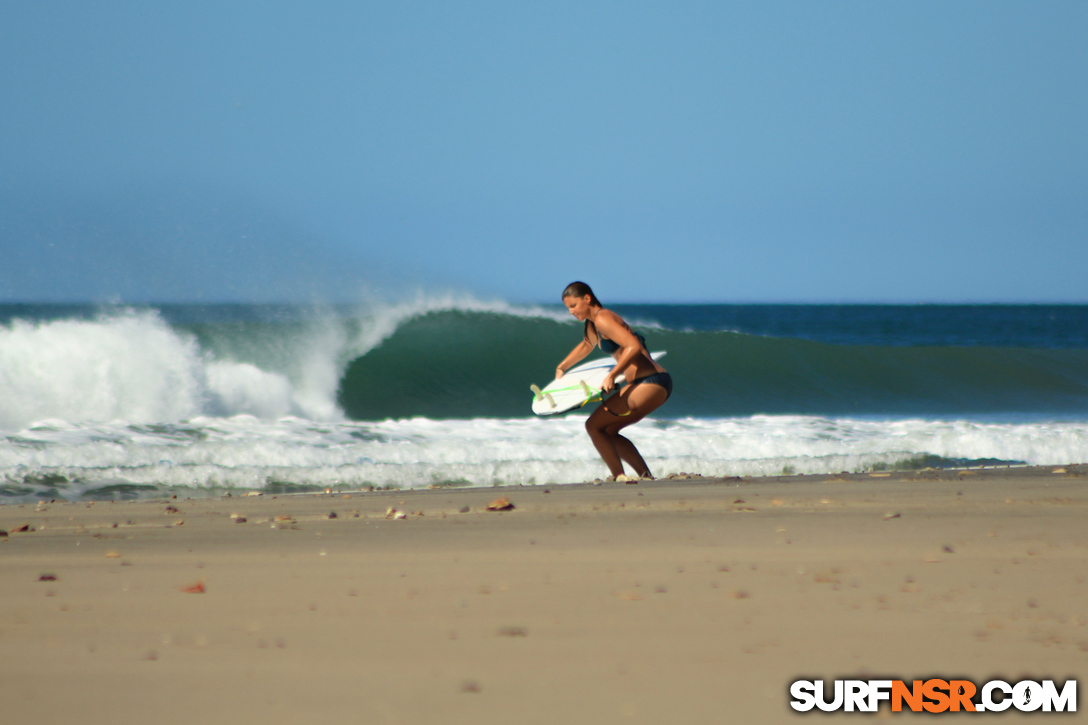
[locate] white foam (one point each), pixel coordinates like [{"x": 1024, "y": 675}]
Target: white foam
[
  {"x": 131, "y": 366},
  {"x": 244, "y": 451},
  {"x": 245, "y": 388}
]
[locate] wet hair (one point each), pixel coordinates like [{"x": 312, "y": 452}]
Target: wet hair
[{"x": 581, "y": 289}]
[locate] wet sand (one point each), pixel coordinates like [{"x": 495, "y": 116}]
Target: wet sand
[{"x": 671, "y": 601}]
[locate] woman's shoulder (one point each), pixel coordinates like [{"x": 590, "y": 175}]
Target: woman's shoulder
[{"x": 613, "y": 325}]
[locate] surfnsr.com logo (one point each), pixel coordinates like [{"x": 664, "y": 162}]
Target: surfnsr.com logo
[{"x": 934, "y": 695}]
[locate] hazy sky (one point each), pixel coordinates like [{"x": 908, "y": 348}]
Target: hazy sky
[{"x": 669, "y": 151}]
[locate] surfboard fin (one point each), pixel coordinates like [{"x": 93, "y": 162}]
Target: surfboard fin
[
  {"x": 585, "y": 389},
  {"x": 539, "y": 395}
]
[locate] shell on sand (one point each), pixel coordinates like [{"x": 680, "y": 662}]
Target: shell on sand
[{"x": 500, "y": 504}]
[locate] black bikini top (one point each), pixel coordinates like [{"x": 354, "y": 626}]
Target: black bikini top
[{"x": 609, "y": 347}]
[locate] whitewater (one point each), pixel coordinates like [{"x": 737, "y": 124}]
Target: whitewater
[{"x": 123, "y": 402}]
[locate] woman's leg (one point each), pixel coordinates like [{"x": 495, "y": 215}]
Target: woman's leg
[
  {"x": 632, "y": 405},
  {"x": 604, "y": 443},
  {"x": 630, "y": 455}
]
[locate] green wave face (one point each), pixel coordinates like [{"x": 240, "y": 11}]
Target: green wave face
[{"x": 457, "y": 364}]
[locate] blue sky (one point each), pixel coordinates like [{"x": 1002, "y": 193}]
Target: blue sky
[{"x": 663, "y": 152}]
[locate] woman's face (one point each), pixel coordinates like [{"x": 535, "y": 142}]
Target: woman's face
[{"x": 578, "y": 307}]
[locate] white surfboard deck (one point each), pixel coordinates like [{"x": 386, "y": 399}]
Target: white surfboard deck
[{"x": 580, "y": 386}]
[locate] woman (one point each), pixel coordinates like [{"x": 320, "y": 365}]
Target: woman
[{"x": 649, "y": 385}]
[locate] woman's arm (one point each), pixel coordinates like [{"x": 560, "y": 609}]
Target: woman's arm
[
  {"x": 616, "y": 330},
  {"x": 572, "y": 359}
]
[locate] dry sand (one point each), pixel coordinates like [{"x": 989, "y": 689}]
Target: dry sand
[{"x": 671, "y": 601}]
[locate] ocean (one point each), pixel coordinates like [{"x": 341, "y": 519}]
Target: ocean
[{"x": 112, "y": 402}]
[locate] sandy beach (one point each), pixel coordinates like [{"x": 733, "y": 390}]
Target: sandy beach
[{"x": 670, "y": 601}]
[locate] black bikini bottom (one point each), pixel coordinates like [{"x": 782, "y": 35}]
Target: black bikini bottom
[{"x": 662, "y": 379}]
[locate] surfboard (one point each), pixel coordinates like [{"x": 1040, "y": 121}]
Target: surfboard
[{"x": 581, "y": 385}]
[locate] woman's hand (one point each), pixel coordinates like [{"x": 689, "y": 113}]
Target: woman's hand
[
  {"x": 609, "y": 383},
  {"x": 559, "y": 372}
]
